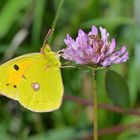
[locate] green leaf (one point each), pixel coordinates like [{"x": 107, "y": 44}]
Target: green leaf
[
  {"x": 105, "y": 21},
  {"x": 59, "y": 134},
  {"x": 9, "y": 14},
  {"x": 117, "y": 89}
]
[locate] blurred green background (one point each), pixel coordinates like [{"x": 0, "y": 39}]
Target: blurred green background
[{"x": 23, "y": 27}]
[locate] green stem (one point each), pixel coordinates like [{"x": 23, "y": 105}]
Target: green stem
[
  {"x": 57, "y": 14},
  {"x": 95, "y": 108},
  {"x": 56, "y": 17}
]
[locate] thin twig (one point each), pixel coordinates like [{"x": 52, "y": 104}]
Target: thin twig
[
  {"x": 118, "y": 128},
  {"x": 113, "y": 130},
  {"x": 108, "y": 107}
]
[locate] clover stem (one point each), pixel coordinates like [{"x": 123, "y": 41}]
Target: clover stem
[{"x": 95, "y": 108}]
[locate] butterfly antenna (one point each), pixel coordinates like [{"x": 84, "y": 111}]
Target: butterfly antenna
[
  {"x": 46, "y": 39},
  {"x": 48, "y": 36}
]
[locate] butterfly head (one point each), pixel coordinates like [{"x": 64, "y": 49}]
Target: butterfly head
[{"x": 52, "y": 57}]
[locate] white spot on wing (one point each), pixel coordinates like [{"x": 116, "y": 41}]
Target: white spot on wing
[{"x": 35, "y": 86}]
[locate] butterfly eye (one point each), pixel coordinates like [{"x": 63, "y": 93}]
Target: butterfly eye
[{"x": 16, "y": 67}]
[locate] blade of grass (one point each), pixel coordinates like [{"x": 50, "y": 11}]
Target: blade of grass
[
  {"x": 9, "y": 14},
  {"x": 38, "y": 20}
]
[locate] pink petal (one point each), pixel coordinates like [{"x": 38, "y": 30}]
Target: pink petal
[
  {"x": 111, "y": 48},
  {"x": 94, "y": 31},
  {"x": 122, "y": 59},
  {"x": 106, "y": 62},
  {"x": 104, "y": 34}
]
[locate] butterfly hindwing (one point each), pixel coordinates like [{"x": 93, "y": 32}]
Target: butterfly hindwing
[{"x": 42, "y": 88}]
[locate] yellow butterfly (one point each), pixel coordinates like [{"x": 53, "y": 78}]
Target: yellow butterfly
[{"x": 34, "y": 80}]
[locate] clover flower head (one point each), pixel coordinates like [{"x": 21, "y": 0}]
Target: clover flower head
[{"x": 94, "y": 48}]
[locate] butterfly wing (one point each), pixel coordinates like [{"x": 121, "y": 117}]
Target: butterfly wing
[
  {"x": 41, "y": 90},
  {"x": 11, "y": 74}
]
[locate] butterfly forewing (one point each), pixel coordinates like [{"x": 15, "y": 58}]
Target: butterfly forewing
[{"x": 11, "y": 74}]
